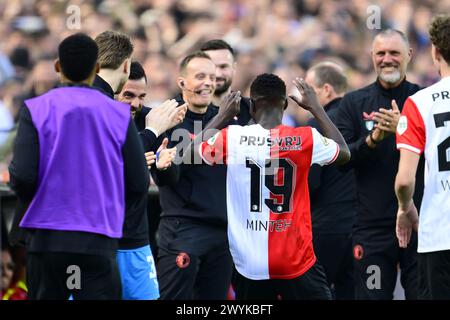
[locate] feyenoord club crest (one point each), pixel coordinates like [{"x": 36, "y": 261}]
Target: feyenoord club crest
[
  {"x": 183, "y": 260},
  {"x": 369, "y": 125},
  {"x": 358, "y": 252},
  {"x": 402, "y": 125},
  {"x": 368, "y": 119}
]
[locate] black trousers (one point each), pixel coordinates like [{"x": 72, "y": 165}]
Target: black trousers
[
  {"x": 56, "y": 276},
  {"x": 194, "y": 261},
  {"x": 312, "y": 285},
  {"x": 334, "y": 252},
  {"x": 377, "y": 257},
  {"x": 434, "y": 275}
]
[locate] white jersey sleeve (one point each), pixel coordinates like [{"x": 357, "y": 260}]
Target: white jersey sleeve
[{"x": 325, "y": 151}]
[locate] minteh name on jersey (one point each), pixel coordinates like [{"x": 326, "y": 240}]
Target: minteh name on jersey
[
  {"x": 286, "y": 143},
  {"x": 279, "y": 225}
]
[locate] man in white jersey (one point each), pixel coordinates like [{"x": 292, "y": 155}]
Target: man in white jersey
[
  {"x": 425, "y": 127},
  {"x": 269, "y": 219}
]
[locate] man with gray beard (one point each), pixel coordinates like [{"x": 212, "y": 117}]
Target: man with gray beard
[{"x": 367, "y": 118}]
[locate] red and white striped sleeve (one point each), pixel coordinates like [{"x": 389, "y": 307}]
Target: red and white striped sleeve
[
  {"x": 325, "y": 151},
  {"x": 214, "y": 151},
  {"x": 411, "y": 129}
]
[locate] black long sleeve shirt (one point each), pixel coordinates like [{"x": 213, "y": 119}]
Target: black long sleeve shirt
[
  {"x": 135, "y": 230},
  {"x": 375, "y": 169},
  {"x": 195, "y": 191},
  {"x": 332, "y": 192},
  {"x": 199, "y": 192},
  {"x": 24, "y": 177}
]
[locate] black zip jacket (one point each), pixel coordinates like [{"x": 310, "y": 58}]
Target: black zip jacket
[
  {"x": 195, "y": 191},
  {"x": 332, "y": 192},
  {"x": 376, "y": 168}
]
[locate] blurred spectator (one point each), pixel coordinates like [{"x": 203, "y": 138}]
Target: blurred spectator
[
  {"x": 7, "y": 134},
  {"x": 20, "y": 59},
  {"x": 10, "y": 290},
  {"x": 42, "y": 78},
  {"x": 267, "y": 33},
  {"x": 6, "y": 69},
  {"x": 6, "y": 124},
  {"x": 281, "y": 36}
]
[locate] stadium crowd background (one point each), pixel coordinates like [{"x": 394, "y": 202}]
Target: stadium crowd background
[{"x": 285, "y": 37}]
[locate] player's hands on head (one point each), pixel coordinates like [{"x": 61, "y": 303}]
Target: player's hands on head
[
  {"x": 230, "y": 105},
  {"x": 308, "y": 100}
]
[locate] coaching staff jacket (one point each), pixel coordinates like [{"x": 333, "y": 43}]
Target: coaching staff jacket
[
  {"x": 376, "y": 168},
  {"x": 195, "y": 191},
  {"x": 332, "y": 192}
]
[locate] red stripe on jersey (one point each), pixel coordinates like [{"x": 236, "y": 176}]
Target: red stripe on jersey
[
  {"x": 290, "y": 237},
  {"x": 214, "y": 151},
  {"x": 414, "y": 136},
  {"x": 335, "y": 155}
]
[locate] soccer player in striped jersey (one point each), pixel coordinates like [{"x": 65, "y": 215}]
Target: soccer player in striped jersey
[
  {"x": 424, "y": 128},
  {"x": 269, "y": 219}
]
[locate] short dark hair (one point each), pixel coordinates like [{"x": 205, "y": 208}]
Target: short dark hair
[
  {"x": 268, "y": 87},
  {"x": 188, "y": 58},
  {"x": 137, "y": 71},
  {"x": 331, "y": 73},
  {"x": 390, "y": 32},
  {"x": 113, "y": 48},
  {"x": 440, "y": 35},
  {"x": 77, "y": 56},
  {"x": 217, "y": 44}
]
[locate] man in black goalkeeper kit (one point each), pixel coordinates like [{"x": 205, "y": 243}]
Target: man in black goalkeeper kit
[{"x": 368, "y": 124}]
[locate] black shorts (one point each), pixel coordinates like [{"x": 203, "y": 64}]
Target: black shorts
[
  {"x": 377, "y": 257},
  {"x": 434, "y": 275},
  {"x": 312, "y": 285},
  {"x": 56, "y": 276},
  {"x": 194, "y": 260},
  {"x": 334, "y": 252}
]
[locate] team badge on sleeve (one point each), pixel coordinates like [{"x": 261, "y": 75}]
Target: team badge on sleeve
[
  {"x": 402, "y": 125},
  {"x": 213, "y": 139},
  {"x": 325, "y": 141}
]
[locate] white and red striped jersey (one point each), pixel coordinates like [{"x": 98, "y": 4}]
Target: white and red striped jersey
[
  {"x": 425, "y": 127},
  {"x": 269, "y": 219}
]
